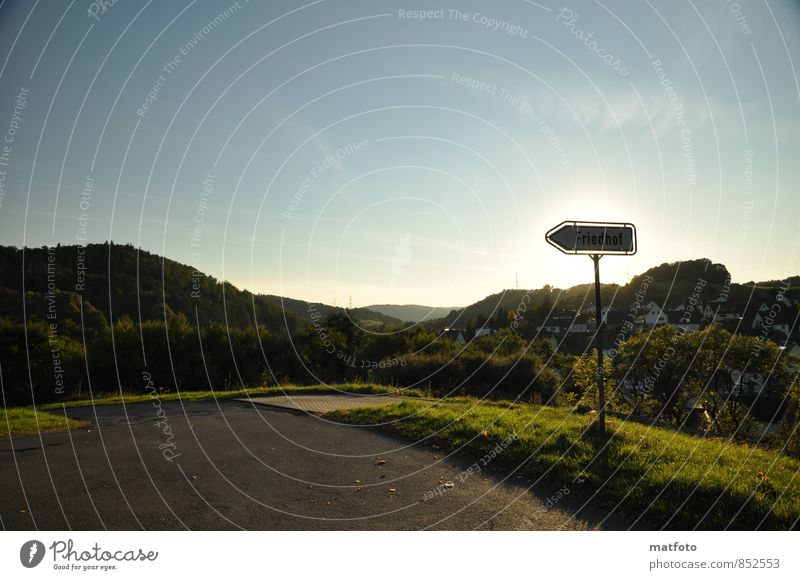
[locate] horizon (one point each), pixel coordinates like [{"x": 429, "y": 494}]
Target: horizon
[
  {"x": 395, "y": 156},
  {"x": 473, "y": 301}
]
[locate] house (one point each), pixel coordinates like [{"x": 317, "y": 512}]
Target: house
[
  {"x": 678, "y": 309},
  {"x": 550, "y": 327},
  {"x": 781, "y": 322},
  {"x": 649, "y": 306},
  {"x": 563, "y": 321},
  {"x": 747, "y": 383},
  {"x": 727, "y": 313},
  {"x": 559, "y": 323},
  {"x": 689, "y": 322},
  {"x": 791, "y": 349},
  {"x": 708, "y": 312},
  {"x": 655, "y": 316},
  {"x": 579, "y": 324},
  {"x": 479, "y": 332},
  {"x": 785, "y": 321},
  {"x": 455, "y": 334},
  {"x": 591, "y": 311}
]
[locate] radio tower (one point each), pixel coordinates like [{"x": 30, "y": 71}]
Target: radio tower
[{"x": 516, "y": 280}]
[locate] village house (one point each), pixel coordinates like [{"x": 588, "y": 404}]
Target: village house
[
  {"x": 746, "y": 383},
  {"x": 727, "y": 313},
  {"x": 560, "y": 323},
  {"x": 579, "y": 324},
  {"x": 690, "y": 322},
  {"x": 780, "y": 323},
  {"x": 550, "y": 327},
  {"x": 454, "y": 334},
  {"x": 655, "y": 316}
]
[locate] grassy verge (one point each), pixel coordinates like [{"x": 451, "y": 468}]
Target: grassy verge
[
  {"x": 356, "y": 388},
  {"x": 26, "y": 421},
  {"x": 669, "y": 479}
]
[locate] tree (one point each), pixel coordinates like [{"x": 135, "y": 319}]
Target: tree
[
  {"x": 667, "y": 372},
  {"x": 501, "y": 343},
  {"x": 343, "y": 324},
  {"x": 584, "y": 378},
  {"x": 789, "y": 434},
  {"x": 656, "y": 374},
  {"x": 741, "y": 370},
  {"x": 500, "y": 318}
]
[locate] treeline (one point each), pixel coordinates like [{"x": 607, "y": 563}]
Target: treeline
[
  {"x": 708, "y": 381},
  {"x": 40, "y": 365}
]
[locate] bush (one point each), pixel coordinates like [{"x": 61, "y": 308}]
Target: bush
[{"x": 476, "y": 374}]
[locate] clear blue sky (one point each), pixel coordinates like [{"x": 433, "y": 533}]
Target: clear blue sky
[{"x": 342, "y": 148}]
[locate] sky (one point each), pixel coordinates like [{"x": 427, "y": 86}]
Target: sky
[{"x": 384, "y": 152}]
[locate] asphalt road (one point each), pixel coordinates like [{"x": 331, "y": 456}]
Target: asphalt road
[{"x": 233, "y": 465}]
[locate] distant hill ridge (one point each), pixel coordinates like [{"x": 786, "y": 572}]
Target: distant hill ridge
[
  {"x": 670, "y": 284},
  {"x": 413, "y": 312},
  {"x": 119, "y": 280},
  {"x": 144, "y": 285}
]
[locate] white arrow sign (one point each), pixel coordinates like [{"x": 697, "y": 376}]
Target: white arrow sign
[{"x": 573, "y": 237}]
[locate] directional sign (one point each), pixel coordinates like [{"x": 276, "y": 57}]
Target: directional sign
[{"x": 596, "y": 238}]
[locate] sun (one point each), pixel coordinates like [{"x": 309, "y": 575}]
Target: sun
[{"x": 594, "y": 206}]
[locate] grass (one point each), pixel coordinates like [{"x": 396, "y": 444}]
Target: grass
[
  {"x": 668, "y": 479},
  {"x": 26, "y": 421},
  {"x": 186, "y": 395}
]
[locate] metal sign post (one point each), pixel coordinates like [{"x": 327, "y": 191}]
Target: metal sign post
[
  {"x": 595, "y": 239},
  {"x": 598, "y": 341}
]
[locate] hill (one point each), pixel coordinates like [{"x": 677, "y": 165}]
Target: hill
[
  {"x": 668, "y": 285},
  {"x": 412, "y": 312},
  {"x": 366, "y": 317},
  {"x": 119, "y": 280}
]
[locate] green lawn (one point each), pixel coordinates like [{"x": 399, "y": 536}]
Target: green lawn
[
  {"x": 670, "y": 479},
  {"x": 26, "y": 421},
  {"x": 186, "y": 395}
]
